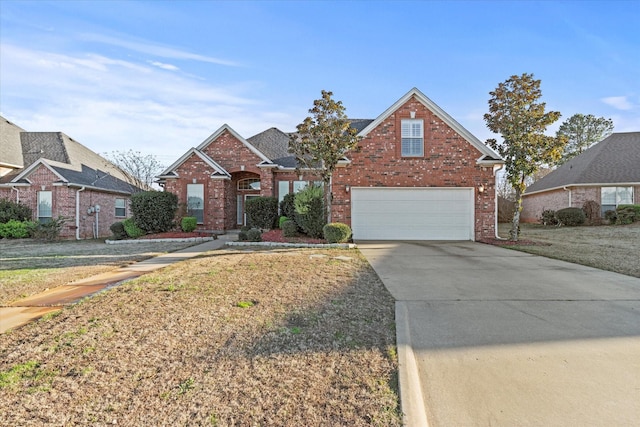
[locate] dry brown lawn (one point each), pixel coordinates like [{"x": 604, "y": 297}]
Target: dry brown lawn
[
  {"x": 28, "y": 267},
  {"x": 233, "y": 338},
  {"x": 608, "y": 247}
]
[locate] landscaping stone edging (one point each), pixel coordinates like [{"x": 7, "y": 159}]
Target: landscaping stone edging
[
  {"x": 184, "y": 239},
  {"x": 296, "y": 245}
]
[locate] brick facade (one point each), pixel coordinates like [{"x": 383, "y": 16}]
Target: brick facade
[
  {"x": 534, "y": 204},
  {"x": 64, "y": 204}
]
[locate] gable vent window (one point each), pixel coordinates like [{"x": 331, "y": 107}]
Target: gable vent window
[
  {"x": 249, "y": 184},
  {"x": 412, "y": 138}
]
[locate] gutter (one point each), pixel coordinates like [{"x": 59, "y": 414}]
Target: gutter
[
  {"x": 569, "y": 190},
  {"x": 17, "y": 193},
  {"x": 78, "y": 212}
]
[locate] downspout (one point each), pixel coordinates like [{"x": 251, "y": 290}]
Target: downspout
[
  {"x": 17, "y": 193},
  {"x": 495, "y": 193},
  {"x": 78, "y": 212},
  {"x": 569, "y": 190}
]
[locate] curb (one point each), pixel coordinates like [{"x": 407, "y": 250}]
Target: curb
[
  {"x": 295, "y": 245},
  {"x": 411, "y": 398}
]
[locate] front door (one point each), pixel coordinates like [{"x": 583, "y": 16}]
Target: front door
[{"x": 241, "y": 211}]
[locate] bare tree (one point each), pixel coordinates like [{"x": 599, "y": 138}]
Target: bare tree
[{"x": 141, "y": 169}]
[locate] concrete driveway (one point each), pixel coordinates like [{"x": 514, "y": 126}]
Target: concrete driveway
[{"x": 494, "y": 337}]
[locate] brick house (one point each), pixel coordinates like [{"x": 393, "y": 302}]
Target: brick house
[
  {"x": 57, "y": 176},
  {"x": 417, "y": 174},
  {"x": 608, "y": 173}
]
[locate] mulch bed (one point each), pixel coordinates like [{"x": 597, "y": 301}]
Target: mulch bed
[{"x": 277, "y": 235}]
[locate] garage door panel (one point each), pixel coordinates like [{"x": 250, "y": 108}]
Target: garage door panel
[{"x": 412, "y": 213}]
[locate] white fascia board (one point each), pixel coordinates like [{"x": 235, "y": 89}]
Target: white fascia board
[
  {"x": 34, "y": 165},
  {"x": 439, "y": 112},
  {"x": 228, "y": 128},
  {"x": 208, "y": 160}
]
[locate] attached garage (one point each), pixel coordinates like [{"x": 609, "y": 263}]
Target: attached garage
[{"x": 383, "y": 213}]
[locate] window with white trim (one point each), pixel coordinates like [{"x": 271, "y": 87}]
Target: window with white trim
[
  {"x": 45, "y": 206},
  {"x": 195, "y": 201},
  {"x": 412, "y": 137},
  {"x": 611, "y": 197},
  {"x": 121, "y": 208}
]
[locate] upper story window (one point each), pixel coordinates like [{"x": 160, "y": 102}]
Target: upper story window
[
  {"x": 249, "y": 184},
  {"x": 121, "y": 207},
  {"x": 412, "y": 138}
]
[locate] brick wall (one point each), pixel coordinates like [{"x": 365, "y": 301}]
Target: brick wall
[{"x": 448, "y": 161}]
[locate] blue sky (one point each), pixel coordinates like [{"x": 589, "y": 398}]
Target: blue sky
[{"x": 160, "y": 76}]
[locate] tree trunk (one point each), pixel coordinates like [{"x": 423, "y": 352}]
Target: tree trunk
[
  {"x": 515, "y": 222},
  {"x": 327, "y": 200}
]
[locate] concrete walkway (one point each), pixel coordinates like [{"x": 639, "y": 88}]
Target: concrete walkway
[
  {"x": 494, "y": 337},
  {"x": 29, "y": 309}
]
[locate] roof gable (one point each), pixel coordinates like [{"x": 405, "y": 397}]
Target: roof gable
[
  {"x": 228, "y": 128},
  {"x": 218, "y": 171},
  {"x": 614, "y": 160},
  {"x": 488, "y": 155},
  {"x": 11, "y": 152}
]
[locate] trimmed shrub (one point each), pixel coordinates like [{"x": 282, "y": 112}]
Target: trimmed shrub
[
  {"x": 626, "y": 214},
  {"x": 310, "y": 211},
  {"x": 250, "y": 235},
  {"x": 154, "y": 211},
  {"x": 289, "y": 228},
  {"x": 336, "y": 232},
  {"x": 281, "y": 221},
  {"x": 49, "y": 230},
  {"x": 132, "y": 229},
  {"x": 188, "y": 224},
  {"x": 287, "y": 206},
  {"x": 14, "y": 211},
  {"x": 611, "y": 216},
  {"x": 14, "y": 229},
  {"x": 549, "y": 217},
  {"x": 571, "y": 216},
  {"x": 117, "y": 228},
  {"x": 262, "y": 212},
  {"x": 591, "y": 210}
]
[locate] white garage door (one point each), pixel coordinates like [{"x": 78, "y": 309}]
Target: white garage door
[{"x": 412, "y": 213}]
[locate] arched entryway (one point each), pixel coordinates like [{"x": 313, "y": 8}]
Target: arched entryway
[{"x": 247, "y": 186}]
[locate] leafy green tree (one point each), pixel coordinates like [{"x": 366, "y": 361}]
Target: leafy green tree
[
  {"x": 581, "y": 133},
  {"x": 517, "y": 115},
  {"x": 322, "y": 141}
]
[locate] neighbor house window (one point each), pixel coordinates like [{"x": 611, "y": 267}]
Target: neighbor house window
[
  {"x": 195, "y": 201},
  {"x": 611, "y": 197},
  {"x": 412, "y": 138},
  {"x": 121, "y": 207},
  {"x": 45, "y": 204},
  {"x": 301, "y": 185},
  {"x": 249, "y": 184}
]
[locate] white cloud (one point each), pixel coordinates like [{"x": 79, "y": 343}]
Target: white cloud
[
  {"x": 618, "y": 102},
  {"x": 109, "y": 104},
  {"x": 164, "y": 66}
]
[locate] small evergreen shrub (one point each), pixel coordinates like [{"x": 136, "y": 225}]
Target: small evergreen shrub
[
  {"x": 571, "y": 216},
  {"x": 287, "y": 206},
  {"x": 309, "y": 214},
  {"x": 132, "y": 229},
  {"x": 611, "y": 216},
  {"x": 49, "y": 230},
  {"x": 262, "y": 212},
  {"x": 154, "y": 211},
  {"x": 188, "y": 224},
  {"x": 626, "y": 214},
  {"x": 289, "y": 228},
  {"x": 14, "y": 211},
  {"x": 117, "y": 228},
  {"x": 591, "y": 210},
  {"x": 336, "y": 232},
  {"x": 254, "y": 235},
  {"x": 281, "y": 221},
  {"x": 549, "y": 217},
  {"x": 14, "y": 229}
]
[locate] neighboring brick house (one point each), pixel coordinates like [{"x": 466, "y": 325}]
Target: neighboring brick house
[
  {"x": 417, "y": 174},
  {"x": 57, "y": 176},
  {"x": 608, "y": 173}
]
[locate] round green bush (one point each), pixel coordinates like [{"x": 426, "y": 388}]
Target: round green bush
[
  {"x": 188, "y": 224},
  {"x": 254, "y": 235},
  {"x": 14, "y": 229},
  {"x": 549, "y": 217},
  {"x": 282, "y": 220},
  {"x": 132, "y": 229},
  {"x": 262, "y": 212},
  {"x": 154, "y": 211},
  {"x": 571, "y": 216},
  {"x": 336, "y": 232},
  {"x": 117, "y": 228},
  {"x": 289, "y": 228},
  {"x": 310, "y": 213}
]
